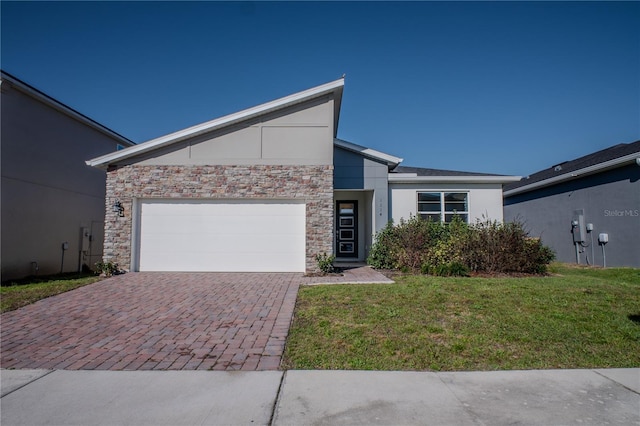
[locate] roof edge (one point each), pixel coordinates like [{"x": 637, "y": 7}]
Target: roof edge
[
  {"x": 335, "y": 86},
  {"x": 59, "y": 106},
  {"x": 413, "y": 178},
  {"x": 586, "y": 171},
  {"x": 389, "y": 159}
]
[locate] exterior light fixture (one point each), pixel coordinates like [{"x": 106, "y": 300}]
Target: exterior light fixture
[{"x": 118, "y": 208}]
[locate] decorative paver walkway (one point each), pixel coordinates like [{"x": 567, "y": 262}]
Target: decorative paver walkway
[{"x": 162, "y": 321}]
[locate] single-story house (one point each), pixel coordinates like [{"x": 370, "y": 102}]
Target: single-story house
[
  {"x": 268, "y": 189},
  {"x": 573, "y": 206},
  {"x": 52, "y": 203}
]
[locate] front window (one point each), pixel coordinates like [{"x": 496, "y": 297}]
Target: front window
[{"x": 443, "y": 206}]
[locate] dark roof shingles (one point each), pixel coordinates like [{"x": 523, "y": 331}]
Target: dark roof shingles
[
  {"x": 592, "y": 159},
  {"x": 437, "y": 172}
]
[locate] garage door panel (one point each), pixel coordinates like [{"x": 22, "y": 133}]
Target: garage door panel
[
  {"x": 218, "y": 227},
  {"x": 215, "y": 236},
  {"x": 228, "y": 244},
  {"x": 194, "y": 263},
  {"x": 216, "y": 242},
  {"x": 220, "y": 209},
  {"x": 247, "y": 224}
]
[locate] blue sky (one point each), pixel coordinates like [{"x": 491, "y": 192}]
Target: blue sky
[{"x": 497, "y": 87}]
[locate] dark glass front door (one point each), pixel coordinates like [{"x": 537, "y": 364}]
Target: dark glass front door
[{"x": 347, "y": 229}]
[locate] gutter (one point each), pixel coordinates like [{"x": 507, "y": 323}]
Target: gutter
[
  {"x": 453, "y": 179},
  {"x": 576, "y": 174},
  {"x": 59, "y": 106},
  {"x": 390, "y": 160}
]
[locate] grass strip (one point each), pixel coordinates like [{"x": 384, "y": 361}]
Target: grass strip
[
  {"x": 575, "y": 318},
  {"x": 16, "y": 294}
]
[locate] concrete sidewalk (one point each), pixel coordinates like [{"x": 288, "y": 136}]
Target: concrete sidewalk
[{"x": 538, "y": 397}]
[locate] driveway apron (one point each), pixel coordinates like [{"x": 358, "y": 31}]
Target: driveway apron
[{"x": 156, "y": 321}]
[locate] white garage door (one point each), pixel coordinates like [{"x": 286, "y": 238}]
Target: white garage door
[{"x": 221, "y": 236}]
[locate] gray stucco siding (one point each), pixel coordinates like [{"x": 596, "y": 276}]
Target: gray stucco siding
[
  {"x": 348, "y": 169},
  {"x": 298, "y": 135},
  {"x": 48, "y": 192},
  {"x": 354, "y": 171},
  {"x": 611, "y": 202}
]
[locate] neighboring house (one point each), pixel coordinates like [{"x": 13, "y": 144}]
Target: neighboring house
[
  {"x": 570, "y": 204},
  {"x": 268, "y": 189},
  {"x": 52, "y": 203}
]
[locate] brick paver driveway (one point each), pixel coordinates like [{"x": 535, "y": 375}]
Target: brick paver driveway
[{"x": 156, "y": 321}]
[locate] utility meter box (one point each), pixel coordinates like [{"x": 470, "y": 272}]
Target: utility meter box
[
  {"x": 578, "y": 227},
  {"x": 84, "y": 239},
  {"x": 603, "y": 238}
]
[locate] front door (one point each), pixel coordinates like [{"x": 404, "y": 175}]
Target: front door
[{"x": 347, "y": 229}]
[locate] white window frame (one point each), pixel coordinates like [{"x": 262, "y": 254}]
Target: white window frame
[{"x": 443, "y": 213}]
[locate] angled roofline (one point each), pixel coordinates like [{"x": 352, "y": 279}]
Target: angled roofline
[
  {"x": 574, "y": 174},
  {"x": 414, "y": 178},
  {"x": 59, "y": 106},
  {"x": 390, "y": 160},
  {"x": 335, "y": 87}
]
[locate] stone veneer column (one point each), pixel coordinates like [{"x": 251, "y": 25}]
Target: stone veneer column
[{"x": 312, "y": 184}]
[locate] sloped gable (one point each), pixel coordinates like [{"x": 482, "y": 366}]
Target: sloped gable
[{"x": 296, "y": 129}]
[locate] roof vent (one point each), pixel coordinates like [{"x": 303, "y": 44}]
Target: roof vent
[{"x": 558, "y": 167}]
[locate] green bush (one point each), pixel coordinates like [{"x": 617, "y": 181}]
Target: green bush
[
  {"x": 457, "y": 248},
  {"x": 406, "y": 246},
  {"x": 107, "y": 268},
  {"x": 506, "y": 247},
  {"x": 539, "y": 256},
  {"x": 382, "y": 254},
  {"x": 450, "y": 242},
  {"x": 325, "y": 262},
  {"x": 453, "y": 269}
]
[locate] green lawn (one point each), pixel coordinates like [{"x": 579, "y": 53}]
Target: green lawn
[
  {"x": 575, "y": 318},
  {"x": 16, "y": 294}
]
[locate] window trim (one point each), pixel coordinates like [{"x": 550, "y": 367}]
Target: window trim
[{"x": 443, "y": 212}]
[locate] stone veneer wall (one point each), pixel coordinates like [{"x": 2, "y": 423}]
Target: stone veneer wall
[{"x": 313, "y": 184}]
